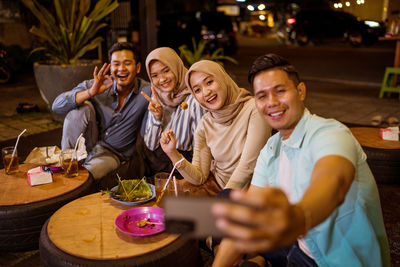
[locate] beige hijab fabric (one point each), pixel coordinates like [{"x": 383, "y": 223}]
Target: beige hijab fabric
[
  {"x": 169, "y": 57},
  {"x": 236, "y": 97}
]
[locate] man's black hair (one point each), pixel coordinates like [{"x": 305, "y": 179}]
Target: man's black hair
[
  {"x": 270, "y": 61},
  {"x": 125, "y": 46}
]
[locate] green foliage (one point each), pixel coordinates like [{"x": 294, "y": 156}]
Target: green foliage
[
  {"x": 199, "y": 53},
  {"x": 71, "y": 31},
  {"x": 133, "y": 190}
]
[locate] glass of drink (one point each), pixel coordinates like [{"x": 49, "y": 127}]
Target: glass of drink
[
  {"x": 10, "y": 161},
  {"x": 69, "y": 163},
  {"x": 160, "y": 179}
]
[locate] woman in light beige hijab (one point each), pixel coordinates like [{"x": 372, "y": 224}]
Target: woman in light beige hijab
[
  {"x": 167, "y": 76},
  {"x": 229, "y": 137}
]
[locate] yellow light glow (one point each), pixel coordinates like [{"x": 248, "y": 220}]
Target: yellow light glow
[
  {"x": 347, "y": 3},
  {"x": 261, "y": 17},
  {"x": 362, "y": 1},
  {"x": 270, "y": 20},
  {"x": 358, "y": 2},
  {"x": 261, "y": 7},
  {"x": 250, "y": 7},
  {"x": 340, "y": 5},
  {"x": 335, "y": 5}
]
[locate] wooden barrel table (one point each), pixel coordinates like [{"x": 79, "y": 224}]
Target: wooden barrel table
[
  {"x": 24, "y": 208},
  {"x": 83, "y": 233},
  {"x": 383, "y": 156}
]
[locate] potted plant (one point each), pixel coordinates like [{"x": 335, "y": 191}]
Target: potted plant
[
  {"x": 68, "y": 30},
  {"x": 200, "y": 52}
]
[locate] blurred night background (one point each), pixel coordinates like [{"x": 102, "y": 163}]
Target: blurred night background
[
  {"x": 222, "y": 23},
  {"x": 341, "y": 49}
]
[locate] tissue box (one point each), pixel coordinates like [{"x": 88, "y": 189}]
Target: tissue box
[
  {"x": 390, "y": 133},
  {"x": 39, "y": 175}
]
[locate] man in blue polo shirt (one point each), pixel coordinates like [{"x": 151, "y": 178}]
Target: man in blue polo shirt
[
  {"x": 313, "y": 200},
  {"x": 108, "y": 110}
]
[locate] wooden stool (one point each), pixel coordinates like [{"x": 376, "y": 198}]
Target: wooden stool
[
  {"x": 24, "y": 209},
  {"x": 390, "y": 81},
  {"x": 383, "y": 156},
  {"x": 83, "y": 233}
]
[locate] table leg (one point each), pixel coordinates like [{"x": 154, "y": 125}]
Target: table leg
[{"x": 396, "y": 61}]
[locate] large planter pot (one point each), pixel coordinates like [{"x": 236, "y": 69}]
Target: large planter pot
[{"x": 53, "y": 80}]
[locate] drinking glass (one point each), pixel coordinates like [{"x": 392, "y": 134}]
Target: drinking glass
[
  {"x": 10, "y": 162},
  {"x": 69, "y": 163},
  {"x": 161, "y": 178}
]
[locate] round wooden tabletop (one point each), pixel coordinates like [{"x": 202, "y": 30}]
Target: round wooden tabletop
[
  {"x": 370, "y": 137},
  {"x": 15, "y": 190},
  {"x": 85, "y": 228}
]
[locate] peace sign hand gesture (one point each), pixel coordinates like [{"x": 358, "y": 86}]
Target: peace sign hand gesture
[{"x": 154, "y": 104}]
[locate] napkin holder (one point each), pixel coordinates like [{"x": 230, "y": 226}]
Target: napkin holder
[
  {"x": 39, "y": 175},
  {"x": 390, "y": 133}
]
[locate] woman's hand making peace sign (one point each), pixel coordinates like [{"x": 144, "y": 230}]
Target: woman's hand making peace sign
[{"x": 154, "y": 104}]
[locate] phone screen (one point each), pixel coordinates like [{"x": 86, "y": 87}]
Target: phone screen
[{"x": 191, "y": 216}]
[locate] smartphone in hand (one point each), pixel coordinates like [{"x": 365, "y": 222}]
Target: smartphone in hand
[{"x": 191, "y": 216}]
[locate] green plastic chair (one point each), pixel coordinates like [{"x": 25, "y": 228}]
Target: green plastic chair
[{"x": 388, "y": 85}]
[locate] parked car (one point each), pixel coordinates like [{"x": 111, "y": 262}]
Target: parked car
[
  {"x": 214, "y": 27},
  {"x": 217, "y": 29},
  {"x": 321, "y": 25}
]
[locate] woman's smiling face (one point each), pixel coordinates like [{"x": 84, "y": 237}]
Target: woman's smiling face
[
  {"x": 207, "y": 90},
  {"x": 161, "y": 76}
]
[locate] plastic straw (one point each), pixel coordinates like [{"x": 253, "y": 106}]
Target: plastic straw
[
  {"x": 16, "y": 144},
  {"x": 76, "y": 144},
  {"x": 15, "y": 149},
  {"x": 169, "y": 178},
  {"x": 170, "y": 175},
  {"x": 176, "y": 189}
]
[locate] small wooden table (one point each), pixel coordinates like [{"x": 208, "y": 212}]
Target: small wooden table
[
  {"x": 369, "y": 137},
  {"x": 15, "y": 190},
  {"x": 85, "y": 228},
  {"x": 84, "y": 232},
  {"x": 24, "y": 208},
  {"x": 383, "y": 156}
]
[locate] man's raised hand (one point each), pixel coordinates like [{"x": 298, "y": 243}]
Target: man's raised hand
[{"x": 100, "y": 76}]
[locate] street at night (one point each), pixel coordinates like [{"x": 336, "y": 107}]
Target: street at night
[{"x": 97, "y": 112}]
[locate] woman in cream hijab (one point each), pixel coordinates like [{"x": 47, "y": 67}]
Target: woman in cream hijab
[
  {"x": 166, "y": 111},
  {"x": 229, "y": 137}
]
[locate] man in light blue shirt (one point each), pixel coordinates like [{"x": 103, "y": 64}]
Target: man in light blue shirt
[
  {"x": 108, "y": 111},
  {"x": 315, "y": 201}
]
